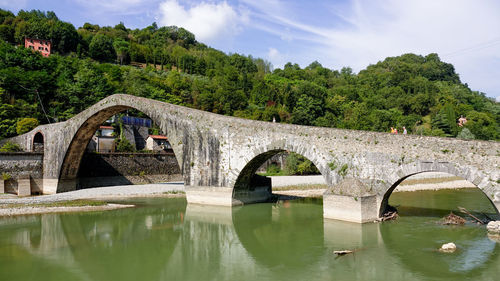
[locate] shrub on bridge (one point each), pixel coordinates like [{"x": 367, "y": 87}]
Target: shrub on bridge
[{"x": 10, "y": 147}]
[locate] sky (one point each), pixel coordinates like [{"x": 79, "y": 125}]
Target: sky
[{"x": 336, "y": 33}]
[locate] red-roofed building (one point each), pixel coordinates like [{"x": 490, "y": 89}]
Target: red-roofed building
[
  {"x": 39, "y": 45},
  {"x": 157, "y": 143}
]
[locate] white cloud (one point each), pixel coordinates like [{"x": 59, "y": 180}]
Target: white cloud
[
  {"x": 208, "y": 21},
  {"x": 362, "y": 32}
]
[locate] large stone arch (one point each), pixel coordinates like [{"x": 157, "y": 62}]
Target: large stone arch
[
  {"x": 70, "y": 138},
  {"x": 90, "y": 120},
  {"x": 471, "y": 174}
]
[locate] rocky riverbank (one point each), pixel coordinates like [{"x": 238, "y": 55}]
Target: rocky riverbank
[
  {"x": 91, "y": 199},
  {"x": 40, "y": 209}
]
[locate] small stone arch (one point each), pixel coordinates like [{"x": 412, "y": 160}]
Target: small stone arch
[
  {"x": 249, "y": 187},
  {"x": 38, "y": 142},
  {"x": 472, "y": 175}
]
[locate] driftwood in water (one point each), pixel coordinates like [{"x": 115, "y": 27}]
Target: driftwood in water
[
  {"x": 463, "y": 210},
  {"x": 452, "y": 219},
  {"x": 343, "y": 252},
  {"x": 388, "y": 216}
]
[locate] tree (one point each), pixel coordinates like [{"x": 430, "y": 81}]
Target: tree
[
  {"x": 122, "y": 49},
  {"x": 7, "y": 33},
  {"x": 101, "y": 48}
]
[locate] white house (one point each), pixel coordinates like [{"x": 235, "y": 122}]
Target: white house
[{"x": 157, "y": 143}]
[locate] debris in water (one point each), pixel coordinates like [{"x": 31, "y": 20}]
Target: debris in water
[
  {"x": 452, "y": 219},
  {"x": 388, "y": 216},
  {"x": 463, "y": 210},
  {"x": 343, "y": 252}
]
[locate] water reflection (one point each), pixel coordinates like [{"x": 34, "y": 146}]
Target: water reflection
[
  {"x": 124, "y": 244},
  {"x": 416, "y": 236},
  {"x": 167, "y": 240},
  {"x": 279, "y": 235}
]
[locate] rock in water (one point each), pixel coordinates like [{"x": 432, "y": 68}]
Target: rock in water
[
  {"x": 448, "y": 248},
  {"x": 493, "y": 227},
  {"x": 494, "y": 237}
]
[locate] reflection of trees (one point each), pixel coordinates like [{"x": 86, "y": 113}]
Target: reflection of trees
[
  {"x": 127, "y": 244},
  {"x": 281, "y": 235}
]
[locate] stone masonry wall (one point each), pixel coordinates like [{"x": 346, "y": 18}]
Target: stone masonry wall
[
  {"x": 105, "y": 169},
  {"x": 14, "y": 165}
]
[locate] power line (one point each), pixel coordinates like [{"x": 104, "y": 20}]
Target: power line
[
  {"x": 475, "y": 47},
  {"x": 39, "y": 99}
]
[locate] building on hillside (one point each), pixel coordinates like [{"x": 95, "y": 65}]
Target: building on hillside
[
  {"x": 39, "y": 45},
  {"x": 103, "y": 140},
  {"x": 157, "y": 143}
]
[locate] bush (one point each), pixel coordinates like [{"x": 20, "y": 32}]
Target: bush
[
  {"x": 6, "y": 176},
  {"x": 466, "y": 134},
  {"x": 25, "y": 125},
  {"x": 273, "y": 169},
  {"x": 123, "y": 145},
  {"x": 299, "y": 165},
  {"x": 10, "y": 147}
]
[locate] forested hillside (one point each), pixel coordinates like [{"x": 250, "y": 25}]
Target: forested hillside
[{"x": 168, "y": 64}]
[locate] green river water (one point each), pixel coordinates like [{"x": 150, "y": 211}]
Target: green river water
[{"x": 166, "y": 239}]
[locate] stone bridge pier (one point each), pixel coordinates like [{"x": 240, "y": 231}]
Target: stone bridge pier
[{"x": 219, "y": 155}]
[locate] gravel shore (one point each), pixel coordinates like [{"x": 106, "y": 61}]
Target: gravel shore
[
  {"x": 177, "y": 188},
  {"x": 32, "y": 210},
  {"x": 108, "y": 192}
]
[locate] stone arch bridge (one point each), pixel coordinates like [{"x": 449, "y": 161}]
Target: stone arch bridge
[{"x": 218, "y": 156}]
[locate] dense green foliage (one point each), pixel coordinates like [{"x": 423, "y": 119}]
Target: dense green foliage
[
  {"x": 295, "y": 164},
  {"x": 168, "y": 64},
  {"x": 25, "y": 125},
  {"x": 10, "y": 147}
]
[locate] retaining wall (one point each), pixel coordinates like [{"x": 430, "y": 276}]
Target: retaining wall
[
  {"x": 15, "y": 165},
  {"x": 106, "y": 169}
]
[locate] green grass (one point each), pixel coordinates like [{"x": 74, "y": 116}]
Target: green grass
[
  {"x": 175, "y": 192},
  {"x": 430, "y": 180},
  {"x": 301, "y": 187},
  {"x": 271, "y": 174},
  {"x": 74, "y": 203}
]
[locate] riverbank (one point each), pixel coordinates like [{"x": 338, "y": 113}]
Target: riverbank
[
  {"x": 315, "y": 185},
  {"x": 85, "y": 200},
  {"x": 27, "y": 209},
  {"x": 286, "y": 186}
]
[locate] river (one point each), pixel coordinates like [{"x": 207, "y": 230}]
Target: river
[{"x": 166, "y": 239}]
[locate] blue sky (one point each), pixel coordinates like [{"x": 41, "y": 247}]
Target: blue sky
[{"x": 340, "y": 33}]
